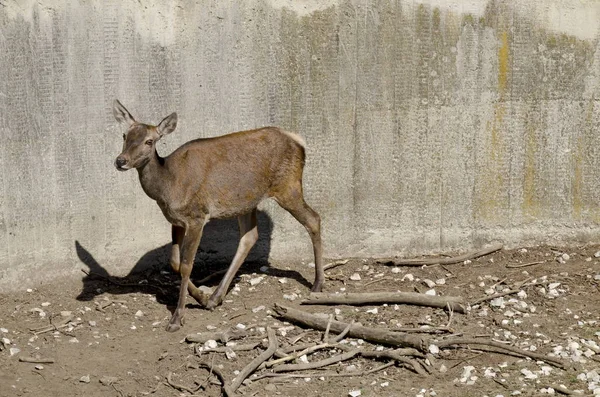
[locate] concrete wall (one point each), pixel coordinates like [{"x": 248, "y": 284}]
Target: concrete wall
[{"x": 431, "y": 125}]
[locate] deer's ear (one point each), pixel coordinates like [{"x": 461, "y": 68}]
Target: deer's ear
[
  {"x": 121, "y": 114},
  {"x": 167, "y": 125}
]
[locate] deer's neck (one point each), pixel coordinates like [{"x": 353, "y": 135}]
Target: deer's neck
[{"x": 154, "y": 177}]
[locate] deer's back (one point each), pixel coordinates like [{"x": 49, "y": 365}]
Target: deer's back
[{"x": 230, "y": 174}]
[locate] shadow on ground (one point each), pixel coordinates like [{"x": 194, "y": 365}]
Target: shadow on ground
[{"x": 152, "y": 272}]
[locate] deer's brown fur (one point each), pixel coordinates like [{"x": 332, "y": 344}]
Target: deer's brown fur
[{"x": 218, "y": 177}]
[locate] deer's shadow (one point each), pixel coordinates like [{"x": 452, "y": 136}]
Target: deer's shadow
[{"x": 152, "y": 273}]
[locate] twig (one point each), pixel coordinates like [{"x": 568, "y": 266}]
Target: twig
[
  {"x": 280, "y": 353},
  {"x": 502, "y": 347},
  {"x": 562, "y": 390},
  {"x": 317, "y": 364},
  {"x": 376, "y": 281},
  {"x": 444, "y": 261},
  {"x": 215, "y": 370},
  {"x": 222, "y": 336},
  {"x": 298, "y": 354},
  {"x": 396, "y": 355},
  {"x": 335, "y": 264},
  {"x": 33, "y": 360},
  {"x": 431, "y": 330},
  {"x": 326, "y": 334},
  {"x": 409, "y": 298},
  {"x": 343, "y": 334},
  {"x": 323, "y": 374},
  {"x": 178, "y": 386},
  {"x": 523, "y": 265},
  {"x": 224, "y": 349},
  {"x": 251, "y": 367},
  {"x": 383, "y": 336},
  {"x": 509, "y": 292},
  {"x": 298, "y": 337}
]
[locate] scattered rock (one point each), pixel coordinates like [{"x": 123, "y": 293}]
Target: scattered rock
[
  {"x": 258, "y": 308},
  {"x": 139, "y": 314},
  {"x": 354, "y": 393},
  {"x": 85, "y": 379},
  {"x": 210, "y": 344},
  {"x": 255, "y": 281},
  {"x": 355, "y": 277},
  {"x": 107, "y": 380}
]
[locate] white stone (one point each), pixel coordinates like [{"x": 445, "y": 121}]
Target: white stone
[
  {"x": 408, "y": 277},
  {"x": 85, "y": 379},
  {"x": 45, "y": 304},
  {"x": 433, "y": 349},
  {"x": 396, "y": 270},
  {"x": 372, "y": 311},
  {"x": 258, "y": 308},
  {"x": 354, "y": 393},
  {"x": 255, "y": 281},
  {"x": 429, "y": 283},
  {"x": 211, "y": 344},
  {"x": 431, "y": 292},
  {"x": 355, "y": 277},
  {"x": 139, "y": 314},
  {"x": 553, "y": 285},
  {"x": 14, "y": 350}
]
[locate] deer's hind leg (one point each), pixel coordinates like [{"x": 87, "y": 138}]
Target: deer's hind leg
[
  {"x": 248, "y": 237},
  {"x": 290, "y": 197}
]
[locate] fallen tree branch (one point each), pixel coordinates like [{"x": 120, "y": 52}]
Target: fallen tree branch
[
  {"x": 365, "y": 298},
  {"x": 213, "y": 369},
  {"x": 505, "y": 293},
  {"x": 224, "y": 349},
  {"x": 178, "y": 386},
  {"x": 335, "y": 264},
  {"x": 221, "y": 336},
  {"x": 520, "y": 265},
  {"x": 443, "y": 261},
  {"x": 502, "y": 347},
  {"x": 396, "y": 355},
  {"x": 317, "y": 364},
  {"x": 298, "y": 354},
  {"x": 382, "y": 336},
  {"x": 253, "y": 365},
  {"x": 323, "y": 374},
  {"x": 33, "y": 360}
]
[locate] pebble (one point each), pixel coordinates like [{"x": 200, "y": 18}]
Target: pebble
[
  {"x": 429, "y": 283},
  {"x": 85, "y": 379},
  {"x": 396, "y": 270},
  {"x": 14, "y": 350},
  {"x": 45, "y": 304},
  {"x": 4, "y": 330},
  {"x": 211, "y": 344},
  {"x": 431, "y": 292},
  {"x": 39, "y": 367},
  {"x": 256, "y": 280},
  {"x": 139, "y": 314},
  {"x": 354, "y": 393},
  {"x": 264, "y": 269},
  {"x": 108, "y": 380},
  {"x": 270, "y": 387},
  {"x": 408, "y": 277},
  {"x": 433, "y": 349},
  {"x": 240, "y": 326},
  {"x": 355, "y": 277},
  {"x": 66, "y": 313},
  {"x": 372, "y": 311},
  {"x": 258, "y": 308}
]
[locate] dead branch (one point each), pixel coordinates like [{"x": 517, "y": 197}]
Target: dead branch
[
  {"x": 213, "y": 369},
  {"x": 323, "y": 374},
  {"x": 317, "y": 364},
  {"x": 408, "y": 298},
  {"x": 326, "y": 334},
  {"x": 502, "y": 347},
  {"x": 520, "y": 265},
  {"x": 223, "y": 349},
  {"x": 33, "y": 360},
  {"x": 222, "y": 336},
  {"x": 254, "y": 364},
  {"x": 444, "y": 261},
  {"x": 298, "y": 354},
  {"x": 178, "y": 386},
  {"x": 382, "y": 336},
  {"x": 505, "y": 293},
  {"x": 396, "y": 355},
  {"x": 335, "y": 264}
]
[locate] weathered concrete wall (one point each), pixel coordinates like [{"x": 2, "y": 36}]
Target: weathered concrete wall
[{"x": 431, "y": 125}]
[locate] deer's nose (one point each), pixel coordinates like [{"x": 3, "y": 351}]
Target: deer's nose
[{"x": 120, "y": 162}]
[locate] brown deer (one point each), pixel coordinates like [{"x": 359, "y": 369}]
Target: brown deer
[{"x": 218, "y": 177}]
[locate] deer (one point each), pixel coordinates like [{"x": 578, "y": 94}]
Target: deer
[{"x": 213, "y": 178}]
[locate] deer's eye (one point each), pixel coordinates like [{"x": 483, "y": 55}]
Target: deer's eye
[{"x": 149, "y": 142}]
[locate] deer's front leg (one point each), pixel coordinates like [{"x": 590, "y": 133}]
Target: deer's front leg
[
  {"x": 189, "y": 246},
  {"x": 178, "y": 233}
]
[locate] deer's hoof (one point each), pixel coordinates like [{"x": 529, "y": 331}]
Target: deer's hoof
[
  {"x": 172, "y": 327},
  {"x": 316, "y": 288},
  {"x": 211, "y": 304}
]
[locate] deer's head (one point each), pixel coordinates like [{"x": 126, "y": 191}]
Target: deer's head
[{"x": 139, "y": 141}]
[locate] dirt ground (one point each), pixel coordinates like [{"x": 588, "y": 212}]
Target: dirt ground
[{"x": 114, "y": 343}]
